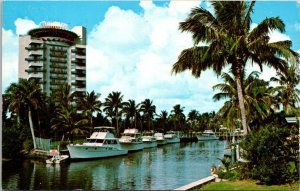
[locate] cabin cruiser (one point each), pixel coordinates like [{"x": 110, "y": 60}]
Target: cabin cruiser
[
  {"x": 102, "y": 143},
  {"x": 149, "y": 140},
  {"x": 160, "y": 138},
  {"x": 171, "y": 137},
  {"x": 131, "y": 140},
  {"x": 207, "y": 135}
]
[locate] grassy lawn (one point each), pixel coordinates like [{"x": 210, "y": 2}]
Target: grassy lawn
[{"x": 247, "y": 185}]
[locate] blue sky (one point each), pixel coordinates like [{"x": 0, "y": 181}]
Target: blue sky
[{"x": 132, "y": 45}]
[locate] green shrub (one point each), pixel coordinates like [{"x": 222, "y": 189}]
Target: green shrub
[
  {"x": 230, "y": 175},
  {"x": 269, "y": 151},
  {"x": 27, "y": 145}
]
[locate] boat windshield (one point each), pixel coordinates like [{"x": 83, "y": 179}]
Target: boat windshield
[{"x": 94, "y": 140}]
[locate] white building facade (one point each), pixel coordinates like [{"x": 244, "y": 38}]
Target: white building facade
[{"x": 54, "y": 56}]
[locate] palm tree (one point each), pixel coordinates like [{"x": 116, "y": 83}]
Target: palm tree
[
  {"x": 229, "y": 41},
  {"x": 193, "y": 117},
  {"x": 63, "y": 96},
  {"x": 68, "y": 122},
  {"x": 26, "y": 95},
  {"x": 113, "y": 105},
  {"x": 178, "y": 116},
  {"x": 148, "y": 110},
  {"x": 90, "y": 104},
  {"x": 287, "y": 90},
  {"x": 163, "y": 118},
  {"x": 256, "y": 98},
  {"x": 130, "y": 109}
]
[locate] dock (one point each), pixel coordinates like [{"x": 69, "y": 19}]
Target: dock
[{"x": 197, "y": 183}]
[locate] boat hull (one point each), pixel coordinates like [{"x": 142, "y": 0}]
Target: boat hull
[
  {"x": 61, "y": 159},
  {"x": 132, "y": 146},
  {"x": 173, "y": 140},
  {"x": 161, "y": 142},
  {"x": 207, "y": 138},
  {"x": 90, "y": 152},
  {"x": 149, "y": 144}
]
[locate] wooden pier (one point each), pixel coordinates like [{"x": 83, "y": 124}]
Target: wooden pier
[{"x": 197, "y": 183}]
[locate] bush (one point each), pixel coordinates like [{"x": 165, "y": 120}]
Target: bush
[
  {"x": 230, "y": 175},
  {"x": 269, "y": 152}
]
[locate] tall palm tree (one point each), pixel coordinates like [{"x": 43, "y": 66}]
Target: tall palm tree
[
  {"x": 90, "y": 104},
  {"x": 287, "y": 90},
  {"x": 113, "y": 105},
  {"x": 25, "y": 95},
  {"x": 256, "y": 93},
  {"x": 193, "y": 117},
  {"x": 130, "y": 109},
  {"x": 178, "y": 116},
  {"x": 63, "y": 96},
  {"x": 148, "y": 110},
  {"x": 163, "y": 118},
  {"x": 229, "y": 41}
]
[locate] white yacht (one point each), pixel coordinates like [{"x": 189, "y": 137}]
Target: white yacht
[
  {"x": 207, "y": 135},
  {"x": 160, "y": 138},
  {"x": 149, "y": 140},
  {"x": 102, "y": 143},
  {"x": 171, "y": 137},
  {"x": 131, "y": 140}
]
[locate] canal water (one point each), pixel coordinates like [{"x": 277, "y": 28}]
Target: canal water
[{"x": 163, "y": 168}]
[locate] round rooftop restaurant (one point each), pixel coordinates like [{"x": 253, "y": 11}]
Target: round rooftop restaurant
[{"x": 53, "y": 31}]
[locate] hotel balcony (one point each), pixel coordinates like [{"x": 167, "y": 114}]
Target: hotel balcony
[
  {"x": 80, "y": 78},
  {"x": 35, "y": 41},
  {"x": 58, "y": 60},
  {"x": 35, "y": 52},
  {"x": 32, "y": 59},
  {"x": 80, "y": 57},
  {"x": 35, "y": 47},
  {"x": 80, "y": 67},
  {"x": 80, "y": 89},
  {"x": 35, "y": 64},
  {"x": 35, "y": 75}
]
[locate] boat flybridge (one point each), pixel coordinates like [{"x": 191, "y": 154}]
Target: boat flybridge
[
  {"x": 160, "y": 138},
  {"x": 131, "y": 140},
  {"x": 149, "y": 140},
  {"x": 171, "y": 137},
  {"x": 102, "y": 143},
  {"x": 207, "y": 135}
]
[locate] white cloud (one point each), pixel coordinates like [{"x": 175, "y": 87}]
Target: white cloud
[
  {"x": 24, "y": 25},
  {"x": 9, "y": 58},
  {"x": 134, "y": 53},
  {"x": 278, "y": 36}
]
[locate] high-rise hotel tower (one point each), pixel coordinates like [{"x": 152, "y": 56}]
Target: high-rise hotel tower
[{"x": 54, "y": 55}]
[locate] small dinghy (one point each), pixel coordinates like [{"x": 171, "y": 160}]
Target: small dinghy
[{"x": 57, "y": 158}]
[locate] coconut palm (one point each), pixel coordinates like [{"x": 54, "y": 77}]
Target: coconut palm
[
  {"x": 192, "y": 118},
  {"x": 148, "y": 110},
  {"x": 130, "y": 109},
  {"x": 25, "y": 95},
  {"x": 68, "y": 123},
  {"x": 287, "y": 90},
  {"x": 63, "y": 96},
  {"x": 113, "y": 105},
  {"x": 229, "y": 41},
  {"x": 163, "y": 119},
  {"x": 177, "y": 116},
  {"x": 90, "y": 104},
  {"x": 256, "y": 98}
]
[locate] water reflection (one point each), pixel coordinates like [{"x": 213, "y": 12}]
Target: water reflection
[{"x": 165, "y": 167}]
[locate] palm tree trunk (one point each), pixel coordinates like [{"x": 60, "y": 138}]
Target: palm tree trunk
[
  {"x": 91, "y": 122},
  {"x": 242, "y": 105},
  {"x": 31, "y": 128}
]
